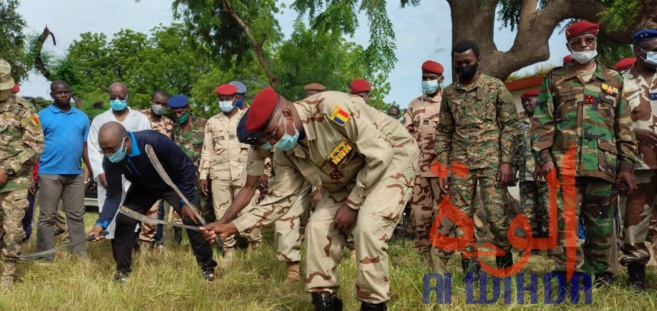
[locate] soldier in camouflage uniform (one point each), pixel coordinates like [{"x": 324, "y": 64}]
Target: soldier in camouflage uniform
[
  {"x": 163, "y": 125},
  {"x": 477, "y": 127},
  {"x": 366, "y": 163},
  {"x": 640, "y": 91},
  {"x": 582, "y": 104},
  {"x": 420, "y": 119},
  {"x": 20, "y": 146},
  {"x": 534, "y": 194},
  {"x": 188, "y": 133}
]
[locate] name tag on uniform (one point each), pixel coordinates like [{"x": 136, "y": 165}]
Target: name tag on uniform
[{"x": 653, "y": 96}]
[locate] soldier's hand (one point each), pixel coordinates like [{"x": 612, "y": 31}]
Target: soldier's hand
[
  {"x": 203, "y": 183},
  {"x": 211, "y": 230},
  {"x": 3, "y": 176},
  {"x": 187, "y": 212},
  {"x": 646, "y": 137},
  {"x": 411, "y": 128},
  {"x": 443, "y": 183},
  {"x": 96, "y": 232},
  {"x": 546, "y": 168},
  {"x": 315, "y": 197},
  {"x": 32, "y": 190},
  {"x": 537, "y": 177},
  {"x": 102, "y": 180},
  {"x": 345, "y": 218},
  {"x": 505, "y": 175},
  {"x": 626, "y": 183}
]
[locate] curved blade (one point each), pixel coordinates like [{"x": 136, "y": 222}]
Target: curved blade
[{"x": 143, "y": 218}]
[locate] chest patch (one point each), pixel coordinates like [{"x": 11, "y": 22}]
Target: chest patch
[
  {"x": 653, "y": 96},
  {"x": 339, "y": 153},
  {"x": 609, "y": 89},
  {"x": 340, "y": 116}
]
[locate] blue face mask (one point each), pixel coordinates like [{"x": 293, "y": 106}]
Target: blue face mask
[
  {"x": 287, "y": 142},
  {"x": 118, "y": 105},
  {"x": 651, "y": 57},
  {"x": 430, "y": 86},
  {"x": 266, "y": 146},
  {"x": 239, "y": 103},
  {"x": 119, "y": 155}
]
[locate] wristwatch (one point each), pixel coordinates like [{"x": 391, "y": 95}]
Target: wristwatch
[{"x": 10, "y": 171}]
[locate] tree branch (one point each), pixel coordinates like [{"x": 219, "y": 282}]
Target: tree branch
[{"x": 38, "y": 60}]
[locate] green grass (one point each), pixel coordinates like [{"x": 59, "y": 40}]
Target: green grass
[{"x": 171, "y": 281}]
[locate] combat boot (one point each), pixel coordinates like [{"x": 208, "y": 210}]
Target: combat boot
[
  {"x": 439, "y": 264},
  {"x": 373, "y": 307},
  {"x": 504, "y": 261},
  {"x": 293, "y": 274},
  {"x": 229, "y": 252},
  {"x": 253, "y": 247},
  {"x": 603, "y": 279},
  {"x": 8, "y": 272},
  {"x": 637, "y": 274},
  {"x": 177, "y": 236},
  {"x": 471, "y": 265},
  {"x": 326, "y": 302}
]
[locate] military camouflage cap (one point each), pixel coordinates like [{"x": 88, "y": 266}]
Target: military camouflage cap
[{"x": 6, "y": 81}]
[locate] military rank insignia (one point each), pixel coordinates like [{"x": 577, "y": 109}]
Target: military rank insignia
[
  {"x": 340, "y": 116},
  {"x": 339, "y": 153},
  {"x": 653, "y": 96},
  {"x": 589, "y": 99},
  {"x": 613, "y": 91},
  {"x": 33, "y": 121}
]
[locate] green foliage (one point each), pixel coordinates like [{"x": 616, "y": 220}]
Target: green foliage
[
  {"x": 13, "y": 40},
  {"x": 619, "y": 13},
  {"x": 509, "y": 12},
  {"x": 610, "y": 51}
]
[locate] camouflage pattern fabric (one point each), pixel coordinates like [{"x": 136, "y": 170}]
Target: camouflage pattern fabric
[
  {"x": 523, "y": 160},
  {"x": 534, "y": 200},
  {"x": 161, "y": 124},
  {"x": 424, "y": 203},
  {"x": 223, "y": 156},
  {"x": 14, "y": 204}
]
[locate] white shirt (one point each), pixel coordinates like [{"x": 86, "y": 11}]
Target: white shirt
[{"x": 135, "y": 121}]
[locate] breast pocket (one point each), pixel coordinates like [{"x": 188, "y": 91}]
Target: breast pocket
[
  {"x": 219, "y": 137},
  {"x": 606, "y": 108},
  {"x": 566, "y": 103}
]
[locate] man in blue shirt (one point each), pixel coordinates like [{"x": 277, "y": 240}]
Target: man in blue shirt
[
  {"x": 65, "y": 130},
  {"x": 125, "y": 155}
]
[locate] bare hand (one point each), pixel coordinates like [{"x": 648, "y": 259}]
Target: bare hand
[
  {"x": 410, "y": 128},
  {"x": 505, "y": 175},
  {"x": 187, "y": 212},
  {"x": 102, "y": 180},
  {"x": 646, "y": 137},
  {"x": 443, "y": 183},
  {"x": 315, "y": 197},
  {"x": 211, "y": 230},
  {"x": 626, "y": 182},
  {"x": 345, "y": 218},
  {"x": 32, "y": 190},
  {"x": 537, "y": 177},
  {"x": 203, "y": 183},
  {"x": 546, "y": 168},
  {"x": 3, "y": 176},
  {"x": 96, "y": 232}
]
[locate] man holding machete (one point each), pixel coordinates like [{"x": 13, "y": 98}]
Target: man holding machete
[{"x": 125, "y": 154}]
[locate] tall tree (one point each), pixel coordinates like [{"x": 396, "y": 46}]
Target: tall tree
[{"x": 13, "y": 40}]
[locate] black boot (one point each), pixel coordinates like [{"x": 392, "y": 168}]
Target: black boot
[
  {"x": 504, "y": 261},
  {"x": 373, "y": 307},
  {"x": 326, "y": 302},
  {"x": 177, "y": 236},
  {"x": 637, "y": 273},
  {"x": 603, "y": 279},
  {"x": 471, "y": 265}
]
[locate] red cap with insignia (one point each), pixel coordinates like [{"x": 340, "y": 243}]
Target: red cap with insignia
[
  {"x": 15, "y": 89},
  {"x": 580, "y": 28},
  {"x": 226, "y": 90},
  {"x": 529, "y": 93},
  {"x": 433, "y": 67},
  {"x": 262, "y": 108},
  {"x": 567, "y": 59},
  {"x": 359, "y": 86},
  {"x": 625, "y": 63}
]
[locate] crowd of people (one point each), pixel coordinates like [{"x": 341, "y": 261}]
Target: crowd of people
[{"x": 332, "y": 172}]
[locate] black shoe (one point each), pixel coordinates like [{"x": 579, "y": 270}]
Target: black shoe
[
  {"x": 121, "y": 277},
  {"x": 59, "y": 232},
  {"x": 471, "y": 265},
  {"x": 603, "y": 279},
  {"x": 177, "y": 236},
  {"x": 326, "y": 302},
  {"x": 208, "y": 275},
  {"x": 504, "y": 261},
  {"x": 637, "y": 274},
  {"x": 373, "y": 307}
]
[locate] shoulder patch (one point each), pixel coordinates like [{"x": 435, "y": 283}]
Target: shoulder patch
[
  {"x": 340, "y": 116},
  {"x": 32, "y": 122}
]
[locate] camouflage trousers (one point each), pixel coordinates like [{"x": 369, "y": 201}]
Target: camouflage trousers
[
  {"x": 287, "y": 233},
  {"x": 424, "y": 202},
  {"x": 462, "y": 192},
  {"x": 638, "y": 211},
  {"x": 534, "y": 200},
  {"x": 13, "y": 204},
  {"x": 377, "y": 219},
  {"x": 594, "y": 208},
  {"x": 223, "y": 192}
]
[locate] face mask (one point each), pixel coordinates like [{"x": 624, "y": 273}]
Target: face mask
[
  {"x": 287, "y": 142},
  {"x": 183, "y": 119},
  {"x": 651, "y": 57},
  {"x": 239, "y": 103},
  {"x": 119, "y": 155},
  {"x": 118, "y": 105},
  {"x": 266, "y": 146},
  {"x": 430, "y": 87},
  {"x": 158, "y": 109},
  {"x": 584, "y": 57},
  {"x": 226, "y": 106},
  {"x": 467, "y": 73}
]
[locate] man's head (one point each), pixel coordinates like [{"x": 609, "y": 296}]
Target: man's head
[
  {"x": 394, "y": 112},
  {"x": 466, "y": 60},
  {"x": 361, "y": 88},
  {"x": 241, "y": 93},
  {"x": 227, "y": 96},
  {"x": 313, "y": 88},
  {"x": 529, "y": 100},
  {"x": 432, "y": 77},
  {"x": 114, "y": 141},
  {"x": 179, "y": 105},
  {"x": 60, "y": 93},
  {"x": 582, "y": 40},
  {"x": 246, "y": 137},
  {"x": 645, "y": 49},
  {"x": 118, "y": 96},
  {"x": 6, "y": 81},
  {"x": 275, "y": 119},
  {"x": 159, "y": 102}
]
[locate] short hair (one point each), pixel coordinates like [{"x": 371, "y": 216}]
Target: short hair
[
  {"x": 161, "y": 93},
  {"x": 465, "y": 45},
  {"x": 393, "y": 108},
  {"x": 58, "y": 83}
]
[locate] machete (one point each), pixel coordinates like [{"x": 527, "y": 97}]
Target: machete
[
  {"x": 167, "y": 180},
  {"x": 51, "y": 251},
  {"x": 143, "y": 218}
]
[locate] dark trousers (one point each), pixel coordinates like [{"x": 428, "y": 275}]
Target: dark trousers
[
  {"x": 141, "y": 201},
  {"x": 28, "y": 219}
]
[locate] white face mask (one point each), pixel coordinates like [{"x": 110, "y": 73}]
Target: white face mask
[
  {"x": 158, "y": 109},
  {"x": 651, "y": 57},
  {"x": 584, "y": 57},
  {"x": 226, "y": 106}
]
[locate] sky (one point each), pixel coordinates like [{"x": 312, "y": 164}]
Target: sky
[{"x": 422, "y": 33}]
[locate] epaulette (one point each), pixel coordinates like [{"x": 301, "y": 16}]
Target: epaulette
[{"x": 23, "y": 102}]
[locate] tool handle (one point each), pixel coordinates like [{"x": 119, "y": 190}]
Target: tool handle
[{"x": 93, "y": 236}]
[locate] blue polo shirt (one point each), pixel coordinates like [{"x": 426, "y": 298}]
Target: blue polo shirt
[{"x": 65, "y": 134}]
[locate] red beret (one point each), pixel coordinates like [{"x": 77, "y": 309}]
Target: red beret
[
  {"x": 625, "y": 63},
  {"x": 359, "y": 85},
  {"x": 433, "y": 67},
  {"x": 226, "y": 90},
  {"x": 580, "y": 28},
  {"x": 262, "y": 108},
  {"x": 529, "y": 93},
  {"x": 567, "y": 59},
  {"x": 15, "y": 89}
]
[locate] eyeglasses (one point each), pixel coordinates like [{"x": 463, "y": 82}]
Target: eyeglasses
[
  {"x": 115, "y": 149},
  {"x": 584, "y": 40}
]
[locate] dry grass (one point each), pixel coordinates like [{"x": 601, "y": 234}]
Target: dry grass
[{"x": 171, "y": 281}]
